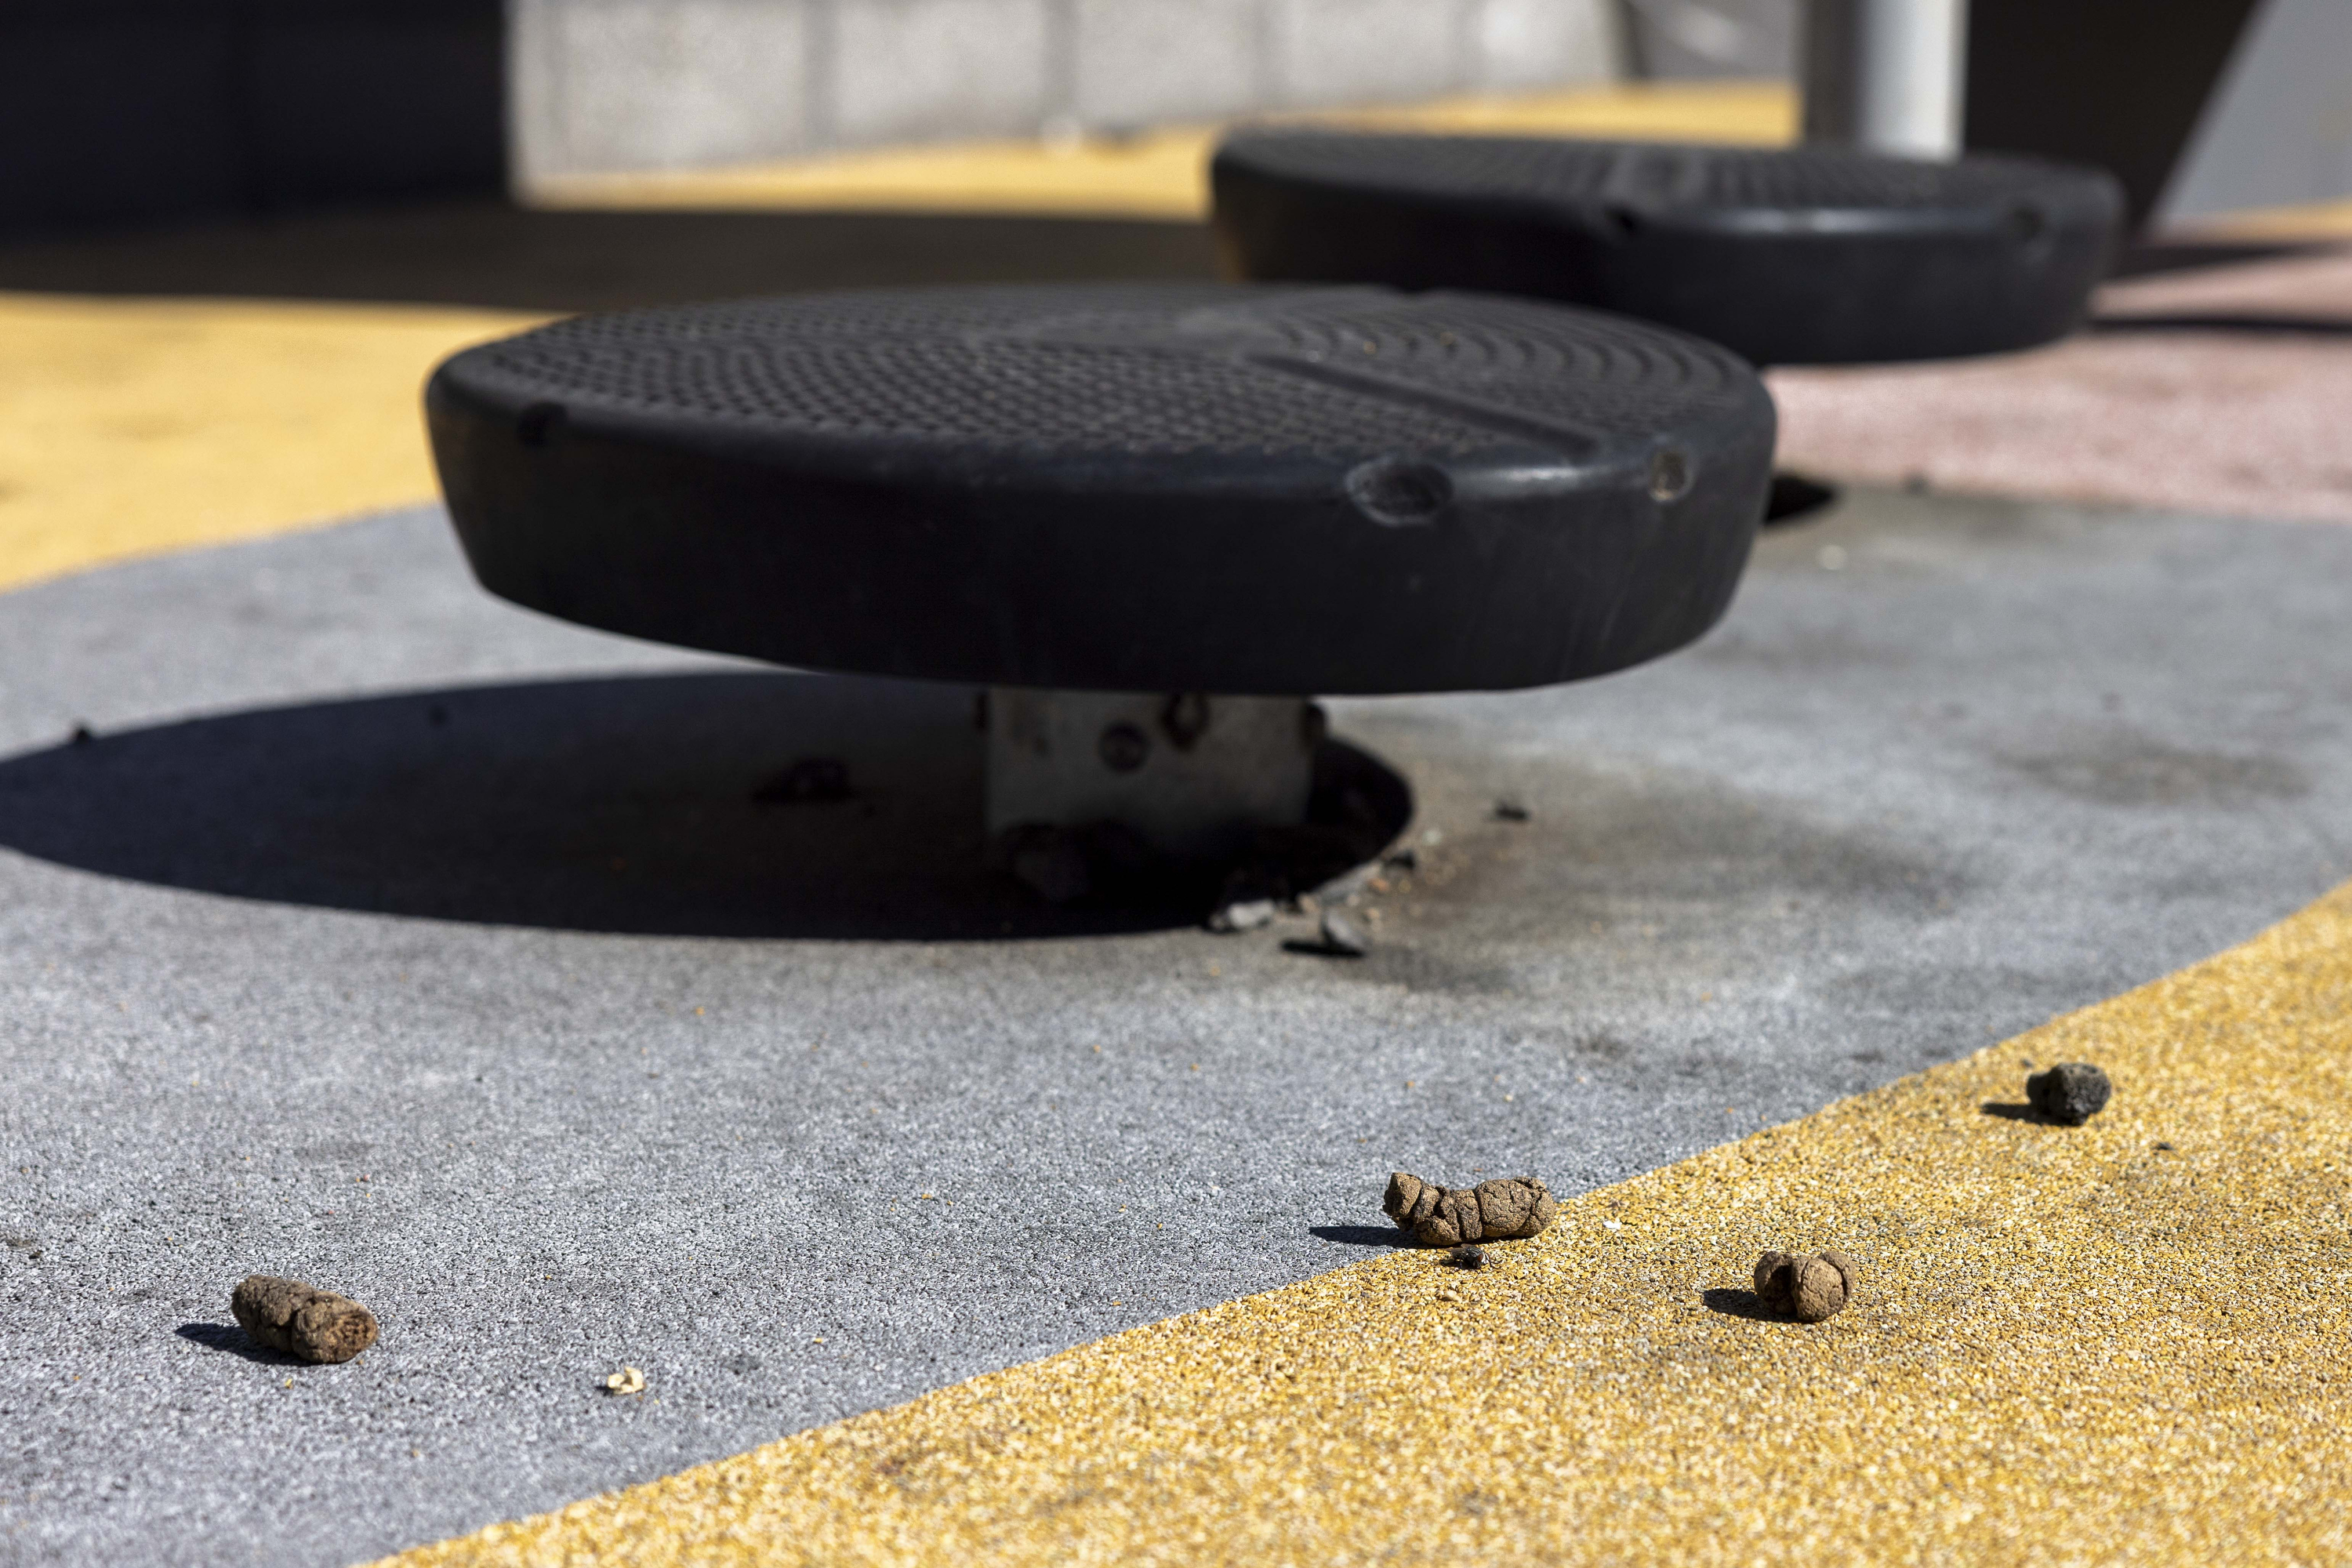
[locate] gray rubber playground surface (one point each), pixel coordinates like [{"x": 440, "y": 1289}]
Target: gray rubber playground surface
[{"x": 394, "y": 939}]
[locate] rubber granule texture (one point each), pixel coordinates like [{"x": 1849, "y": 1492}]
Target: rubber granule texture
[{"x": 2135, "y": 1328}]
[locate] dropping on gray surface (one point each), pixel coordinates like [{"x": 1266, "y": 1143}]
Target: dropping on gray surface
[{"x": 761, "y": 1101}]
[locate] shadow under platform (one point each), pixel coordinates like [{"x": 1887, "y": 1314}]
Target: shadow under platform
[{"x": 640, "y": 804}]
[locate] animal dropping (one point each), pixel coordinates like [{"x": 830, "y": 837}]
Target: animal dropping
[
  {"x": 1809, "y": 1289},
  {"x": 2070, "y": 1093},
  {"x": 1504, "y": 1209},
  {"x": 292, "y": 1318}
]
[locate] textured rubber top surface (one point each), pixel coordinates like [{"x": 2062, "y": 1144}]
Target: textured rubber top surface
[
  {"x": 1050, "y": 486},
  {"x": 1162, "y": 372},
  {"x": 1786, "y": 255}
]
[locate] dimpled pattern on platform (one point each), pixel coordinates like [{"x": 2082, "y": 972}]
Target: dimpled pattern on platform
[{"x": 1334, "y": 374}]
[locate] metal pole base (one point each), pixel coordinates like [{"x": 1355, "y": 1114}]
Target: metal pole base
[
  {"x": 1191, "y": 776},
  {"x": 1885, "y": 75}
]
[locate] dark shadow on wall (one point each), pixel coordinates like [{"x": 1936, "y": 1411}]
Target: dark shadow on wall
[
  {"x": 495, "y": 255},
  {"x": 2118, "y": 83},
  {"x": 117, "y": 112},
  {"x": 635, "y": 805}
]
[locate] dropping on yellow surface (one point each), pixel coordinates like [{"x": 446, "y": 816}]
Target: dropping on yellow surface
[{"x": 2124, "y": 1342}]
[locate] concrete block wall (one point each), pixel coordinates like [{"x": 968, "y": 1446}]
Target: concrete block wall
[
  {"x": 1700, "y": 38},
  {"x": 621, "y": 84},
  {"x": 1134, "y": 62},
  {"x": 611, "y": 84},
  {"x": 910, "y": 70}
]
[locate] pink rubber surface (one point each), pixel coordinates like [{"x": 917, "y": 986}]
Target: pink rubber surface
[{"x": 2226, "y": 420}]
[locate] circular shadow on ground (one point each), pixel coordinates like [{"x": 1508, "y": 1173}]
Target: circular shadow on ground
[{"x": 630, "y": 805}]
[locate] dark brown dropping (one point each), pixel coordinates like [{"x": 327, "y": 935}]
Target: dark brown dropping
[
  {"x": 1504, "y": 1209},
  {"x": 2070, "y": 1093},
  {"x": 1809, "y": 1289},
  {"x": 1849, "y": 1273},
  {"x": 310, "y": 1325}
]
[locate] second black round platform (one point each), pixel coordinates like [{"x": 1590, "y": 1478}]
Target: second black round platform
[{"x": 1797, "y": 256}]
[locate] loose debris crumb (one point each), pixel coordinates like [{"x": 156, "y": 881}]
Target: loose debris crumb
[
  {"x": 1467, "y": 1256},
  {"x": 1342, "y": 938},
  {"x": 308, "y": 1324},
  {"x": 1242, "y": 914},
  {"x": 2070, "y": 1093},
  {"x": 1504, "y": 1209},
  {"x": 1809, "y": 1289},
  {"x": 1511, "y": 809},
  {"x": 629, "y": 1379}
]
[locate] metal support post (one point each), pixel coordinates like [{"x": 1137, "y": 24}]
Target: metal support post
[
  {"x": 1887, "y": 75},
  {"x": 1191, "y": 776}
]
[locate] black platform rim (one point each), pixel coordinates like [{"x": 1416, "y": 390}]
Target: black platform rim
[
  {"x": 2033, "y": 175},
  {"x": 1988, "y": 254},
  {"x": 571, "y": 520}
]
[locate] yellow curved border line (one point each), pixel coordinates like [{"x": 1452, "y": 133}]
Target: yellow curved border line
[
  {"x": 130, "y": 427},
  {"x": 1163, "y": 171},
  {"x": 2301, "y": 221},
  {"x": 2122, "y": 1343}
]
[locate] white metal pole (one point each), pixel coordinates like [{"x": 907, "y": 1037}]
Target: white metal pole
[{"x": 1887, "y": 75}]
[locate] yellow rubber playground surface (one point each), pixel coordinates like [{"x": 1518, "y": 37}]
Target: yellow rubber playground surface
[
  {"x": 2125, "y": 1343},
  {"x": 2122, "y": 1343}
]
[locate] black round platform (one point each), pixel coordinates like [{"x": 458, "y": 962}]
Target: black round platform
[
  {"x": 1806, "y": 256},
  {"x": 1153, "y": 488}
]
